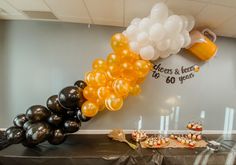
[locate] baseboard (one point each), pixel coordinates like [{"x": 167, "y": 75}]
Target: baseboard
[{"x": 106, "y": 131}]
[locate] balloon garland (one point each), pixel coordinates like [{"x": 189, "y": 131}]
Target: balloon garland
[{"x": 109, "y": 82}]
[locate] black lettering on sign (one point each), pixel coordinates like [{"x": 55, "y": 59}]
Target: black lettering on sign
[{"x": 177, "y": 74}]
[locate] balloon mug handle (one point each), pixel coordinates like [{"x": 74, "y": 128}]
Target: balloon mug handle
[{"x": 209, "y": 34}]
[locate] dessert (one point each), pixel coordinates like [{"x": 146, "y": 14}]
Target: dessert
[{"x": 138, "y": 135}]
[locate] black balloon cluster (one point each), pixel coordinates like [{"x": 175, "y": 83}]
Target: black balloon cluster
[{"x": 52, "y": 123}]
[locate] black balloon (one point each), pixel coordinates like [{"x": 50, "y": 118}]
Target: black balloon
[
  {"x": 37, "y": 133},
  {"x": 81, "y": 117},
  {"x": 55, "y": 120},
  {"x": 69, "y": 97},
  {"x": 37, "y": 113},
  {"x": 70, "y": 114},
  {"x": 54, "y": 106},
  {"x": 27, "y": 125},
  {"x": 57, "y": 137},
  {"x": 20, "y": 120},
  {"x": 71, "y": 126},
  {"x": 15, "y": 135},
  {"x": 80, "y": 84}
]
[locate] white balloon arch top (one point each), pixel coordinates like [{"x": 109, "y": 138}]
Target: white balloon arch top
[{"x": 160, "y": 34}]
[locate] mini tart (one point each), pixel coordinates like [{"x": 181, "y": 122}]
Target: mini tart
[
  {"x": 156, "y": 142},
  {"x": 139, "y": 136}
]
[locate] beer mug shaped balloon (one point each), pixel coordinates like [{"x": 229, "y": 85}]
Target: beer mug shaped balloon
[{"x": 109, "y": 82}]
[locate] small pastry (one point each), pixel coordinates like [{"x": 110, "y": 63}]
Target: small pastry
[
  {"x": 194, "y": 126},
  {"x": 163, "y": 141},
  {"x": 172, "y": 136},
  {"x": 183, "y": 141},
  {"x": 189, "y": 126},
  {"x": 199, "y": 137},
  {"x": 166, "y": 140},
  {"x": 159, "y": 142},
  {"x": 194, "y": 137},
  {"x": 189, "y": 136}
]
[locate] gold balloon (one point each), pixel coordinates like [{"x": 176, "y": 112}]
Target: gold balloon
[
  {"x": 103, "y": 92},
  {"x": 128, "y": 72},
  {"x": 142, "y": 68},
  {"x": 89, "y": 109},
  {"x": 113, "y": 102},
  {"x": 113, "y": 59},
  {"x": 90, "y": 93},
  {"x": 119, "y": 42},
  {"x": 100, "y": 78},
  {"x": 135, "y": 90},
  {"x": 128, "y": 56},
  {"x": 121, "y": 87},
  {"x": 99, "y": 64},
  {"x": 113, "y": 72},
  {"x": 90, "y": 79}
]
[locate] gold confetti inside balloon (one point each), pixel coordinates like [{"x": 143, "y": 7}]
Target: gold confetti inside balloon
[
  {"x": 89, "y": 109},
  {"x": 113, "y": 102},
  {"x": 119, "y": 42},
  {"x": 99, "y": 64}
]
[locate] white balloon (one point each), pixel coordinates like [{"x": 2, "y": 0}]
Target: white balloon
[
  {"x": 159, "y": 12},
  {"x": 156, "y": 56},
  {"x": 180, "y": 39},
  {"x": 124, "y": 32},
  {"x": 185, "y": 22},
  {"x": 175, "y": 45},
  {"x": 164, "y": 54},
  {"x": 170, "y": 12},
  {"x": 173, "y": 25},
  {"x": 191, "y": 22},
  {"x": 135, "y": 21},
  {"x": 134, "y": 46},
  {"x": 142, "y": 38},
  {"x": 157, "y": 32},
  {"x": 163, "y": 44},
  {"x": 187, "y": 39},
  {"x": 147, "y": 52},
  {"x": 131, "y": 32},
  {"x": 145, "y": 24}
]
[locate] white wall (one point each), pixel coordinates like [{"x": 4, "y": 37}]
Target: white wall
[{"x": 37, "y": 59}]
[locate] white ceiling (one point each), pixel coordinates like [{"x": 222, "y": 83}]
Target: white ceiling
[{"x": 218, "y": 15}]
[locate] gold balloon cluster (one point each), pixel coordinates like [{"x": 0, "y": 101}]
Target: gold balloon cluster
[{"x": 114, "y": 78}]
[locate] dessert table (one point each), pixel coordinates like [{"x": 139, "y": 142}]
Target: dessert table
[{"x": 99, "y": 149}]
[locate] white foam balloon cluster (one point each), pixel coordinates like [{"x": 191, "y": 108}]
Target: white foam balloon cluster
[{"x": 160, "y": 34}]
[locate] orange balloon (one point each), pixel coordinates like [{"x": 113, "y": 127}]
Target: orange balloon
[
  {"x": 128, "y": 56},
  {"x": 113, "y": 102},
  {"x": 90, "y": 93},
  {"x": 121, "y": 87},
  {"x": 113, "y": 72},
  {"x": 89, "y": 109},
  {"x": 101, "y": 104},
  {"x": 103, "y": 92},
  {"x": 99, "y": 64},
  {"x": 113, "y": 59},
  {"x": 119, "y": 42},
  {"x": 128, "y": 72},
  {"x": 142, "y": 68},
  {"x": 90, "y": 79},
  {"x": 135, "y": 90},
  {"x": 100, "y": 78},
  {"x": 140, "y": 80}
]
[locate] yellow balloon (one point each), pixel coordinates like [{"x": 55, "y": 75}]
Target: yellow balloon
[
  {"x": 90, "y": 93},
  {"x": 119, "y": 42},
  {"x": 121, "y": 87},
  {"x": 113, "y": 59},
  {"x": 114, "y": 102},
  {"x": 103, "y": 92},
  {"x": 142, "y": 68},
  {"x": 135, "y": 90},
  {"x": 89, "y": 109},
  {"x": 101, "y": 104},
  {"x": 99, "y": 64}
]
